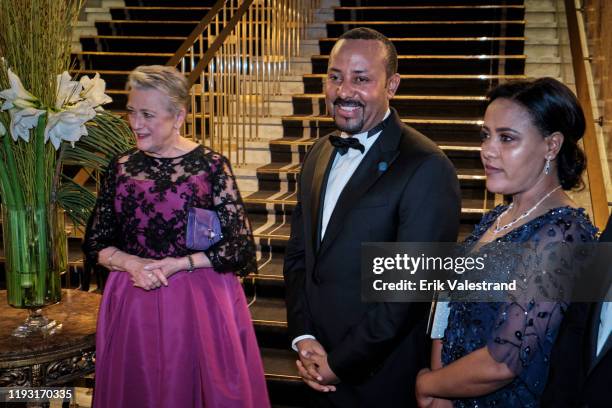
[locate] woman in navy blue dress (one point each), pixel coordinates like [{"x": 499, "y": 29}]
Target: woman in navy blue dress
[{"x": 496, "y": 354}]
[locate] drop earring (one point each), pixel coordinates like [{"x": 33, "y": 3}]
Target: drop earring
[{"x": 547, "y": 166}]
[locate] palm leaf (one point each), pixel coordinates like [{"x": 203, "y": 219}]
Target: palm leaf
[
  {"x": 76, "y": 200},
  {"x": 107, "y": 136}
]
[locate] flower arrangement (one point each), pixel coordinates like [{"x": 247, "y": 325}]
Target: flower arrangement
[
  {"x": 49, "y": 122},
  {"x": 76, "y": 103}
]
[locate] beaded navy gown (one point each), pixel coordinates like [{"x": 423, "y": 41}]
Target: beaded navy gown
[{"x": 518, "y": 333}]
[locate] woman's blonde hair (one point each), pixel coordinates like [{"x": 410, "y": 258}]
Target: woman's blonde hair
[{"x": 167, "y": 80}]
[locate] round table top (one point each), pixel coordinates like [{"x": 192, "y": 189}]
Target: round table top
[{"x": 77, "y": 312}]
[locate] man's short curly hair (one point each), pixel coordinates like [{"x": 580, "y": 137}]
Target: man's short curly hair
[{"x": 363, "y": 33}]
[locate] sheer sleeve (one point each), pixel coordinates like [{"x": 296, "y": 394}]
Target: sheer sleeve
[
  {"x": 525, "y": 329},
  {"x": 236, "y": 252},
  {"x": 101, "y": 231}
]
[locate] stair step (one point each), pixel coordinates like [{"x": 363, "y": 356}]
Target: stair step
[
  {"x": 285, "y": 387},
  {"x": 281, "y": 177},
  {"x": 438, "y": 12},
  {"x": 429, "y": 84},
  {"x": 375, "y": 3},
  {"x": 446, "y": 64},
  {"x": 406, "y": 120},
  {"x": 277, "y": 235},
  {"x": 280, "y": 364},
  {"x": 450, "y": 58},
  {"x": 309, "y": 141},
  {"x": 438, "y": 28},
  {"x": 432, "y": 106},
  {"x": 399, "y": 97},
  {"x": 173, "y": 13},
  {"x": 442, "y": 131},
  {"x": 469, "y": 205},
  {"x": 152, "y": 28},
  {"x": 110, "y": 43},
  {"x": 464, "y": 154},
  {"x": 291, "y": 168},
  {"x": 159, "y": 13},
  {"x": 275, "y": 232},
  {"x": 170, "y": 3},
  {"x": 270, "y": 268},
  {"x": 97, "y": 14},
  {"x": 446, "y": 45},
  {"x": 126, "y": 54},
  {"x": 100, "y": 60},
  {"x": 269, "y": 312}
]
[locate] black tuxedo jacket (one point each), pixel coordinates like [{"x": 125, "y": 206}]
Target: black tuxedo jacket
[
  {"x": 374, "y": 348},
  {"x": 578, "y": 377},
  {"x": 597, "y": 387}
]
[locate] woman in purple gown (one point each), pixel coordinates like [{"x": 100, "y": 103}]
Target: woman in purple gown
[{"x": 174, "y": 329}]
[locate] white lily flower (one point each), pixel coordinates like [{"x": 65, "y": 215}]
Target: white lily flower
[
  {"x": 67, "y": 90},
  {"x": 2, "y": 129},
  {"x": 16, "y": 96},
  {"x": 69, "y": 124},
  {"x": 22, "y": 120},
  {"x": 93, "y": 90}
]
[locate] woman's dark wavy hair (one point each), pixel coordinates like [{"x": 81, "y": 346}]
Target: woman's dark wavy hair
[{"x": 553, "y": 107}]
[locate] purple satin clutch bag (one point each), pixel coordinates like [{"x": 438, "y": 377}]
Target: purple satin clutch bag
[{"x": 203, "y": 229}]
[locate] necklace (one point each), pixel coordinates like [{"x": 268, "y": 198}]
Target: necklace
[{"x": 499, "y": 228}]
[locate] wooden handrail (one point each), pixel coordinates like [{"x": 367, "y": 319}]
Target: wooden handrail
[
  {"x": 200, "y": 28},
  {"x": 597, "y": 188}
]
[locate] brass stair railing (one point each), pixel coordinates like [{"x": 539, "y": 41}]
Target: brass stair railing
[
  {"x": 235, "y": 60},
  {"x": 579, "y": 52}
]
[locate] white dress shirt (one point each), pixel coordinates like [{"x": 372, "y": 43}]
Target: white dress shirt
[
  {"x": 440, "y": 320},
  {"x": 340, "y": 173},
  {"x": 605, "y": 325}
]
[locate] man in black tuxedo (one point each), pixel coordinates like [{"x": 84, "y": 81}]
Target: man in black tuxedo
[
  {"x": 581, "y": 360},
  {"x": 374, "y": 180},
  {"x": 597, "y": 388}
]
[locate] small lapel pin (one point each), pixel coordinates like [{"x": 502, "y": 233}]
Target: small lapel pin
[{"x": 383, "y": 166}]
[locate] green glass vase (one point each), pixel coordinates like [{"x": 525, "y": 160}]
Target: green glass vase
[{"x": 35, "y": 251}]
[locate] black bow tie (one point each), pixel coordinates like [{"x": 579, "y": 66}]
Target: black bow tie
[{"x": 342, "y": 144}]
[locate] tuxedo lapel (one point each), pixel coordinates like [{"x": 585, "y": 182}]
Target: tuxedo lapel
[
  {"x": 317, "y": 193},
  {"x": 595, "y": 359},
  {"x": 385, "y": 149},
  {"x": 593, "y": 332}
]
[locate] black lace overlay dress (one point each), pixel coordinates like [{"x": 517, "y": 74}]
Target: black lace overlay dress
[{"x": 143, "y": 203}]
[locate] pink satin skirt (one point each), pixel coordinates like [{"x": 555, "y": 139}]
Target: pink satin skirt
[{"x": 190, "y": 344}]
